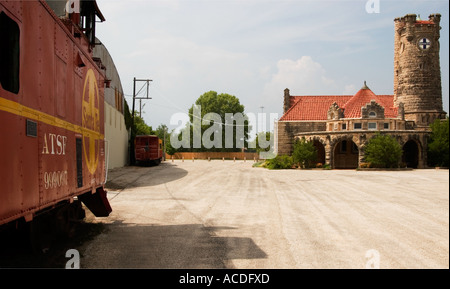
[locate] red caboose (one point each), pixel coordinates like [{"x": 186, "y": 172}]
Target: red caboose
[
  {"x": 148, "y": 149},
  {"x": 52, "y": 147}
]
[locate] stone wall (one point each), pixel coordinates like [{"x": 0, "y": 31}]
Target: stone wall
[
  {"x": 288, "y": 129},
  {"x": 339, "y": 159}
]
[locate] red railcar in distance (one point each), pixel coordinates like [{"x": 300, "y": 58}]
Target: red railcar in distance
[
  {"x": 52, "y": 147},
  {"x": 148, "y": 149}
]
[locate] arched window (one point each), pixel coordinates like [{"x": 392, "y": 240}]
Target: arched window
[{"x": 372, "y": 114}]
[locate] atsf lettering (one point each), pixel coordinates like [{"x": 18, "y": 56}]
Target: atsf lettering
[{"x": 54, "y": 144}]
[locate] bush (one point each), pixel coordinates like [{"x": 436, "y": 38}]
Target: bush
[
  {"x": 280, "y": 163},
  {"x": 438, "y": 145},
  {"x": 305, "y": 153},
  {"x": 383, "y": 151}
]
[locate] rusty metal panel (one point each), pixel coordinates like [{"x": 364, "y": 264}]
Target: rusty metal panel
[
  {"x": 61, "y": 44},
  {"x": 10, "y": 169},
  {"x": 28, "y": 154},
  {"x": 46, "y": 66},
  {"x": 61, "y": 91},
  {"x": 30, "y": 59}
]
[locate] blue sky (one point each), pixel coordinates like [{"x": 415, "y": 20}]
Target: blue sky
[{"x": 254, "y": 49}]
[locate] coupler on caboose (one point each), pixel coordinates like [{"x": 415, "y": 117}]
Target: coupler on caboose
[{"x": 97, "y": 203}]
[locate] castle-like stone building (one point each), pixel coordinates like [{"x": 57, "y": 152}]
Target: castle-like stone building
[{"x": 341, "y": 125}]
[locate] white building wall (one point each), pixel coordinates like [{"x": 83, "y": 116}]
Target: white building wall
[{"x": 116, "y": 135}]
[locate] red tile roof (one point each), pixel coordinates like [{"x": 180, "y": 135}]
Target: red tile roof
[
  {"x": 424, "y": 22},
  {"x": 316, "y": 107},
  {"x": 352, "y": 109},
  {"x": 313, "y": 107}
]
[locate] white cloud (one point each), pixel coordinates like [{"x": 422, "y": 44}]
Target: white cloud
[
  {"x": 302, "y": 76},
  {"x": 350, "y": 90}
]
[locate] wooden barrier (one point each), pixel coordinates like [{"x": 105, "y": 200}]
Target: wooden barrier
[{"x": 214, "y": 156}]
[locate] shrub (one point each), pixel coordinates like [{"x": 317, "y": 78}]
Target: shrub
[
  {"x": 305, "y": 153},
  {"x": 383, "y": 151},
  {"x": 438, "y": 145},
  {"x": 280, "y": 163}
]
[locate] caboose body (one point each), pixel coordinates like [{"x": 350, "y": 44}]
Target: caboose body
[
  {"x": 52, "y": 147},
  {"x": 148, "y": 149}
]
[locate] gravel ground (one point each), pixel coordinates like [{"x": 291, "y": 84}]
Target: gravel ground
[{"x": 229, "y": 215}]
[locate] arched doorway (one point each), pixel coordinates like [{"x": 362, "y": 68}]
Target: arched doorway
[
  {"x": 411, "y": 154},
  {"x": 346, "y": 155},
  {"x": 320, "y": 152}
]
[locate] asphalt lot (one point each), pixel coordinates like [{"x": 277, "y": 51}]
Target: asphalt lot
[{"x": 229, "y": 215}]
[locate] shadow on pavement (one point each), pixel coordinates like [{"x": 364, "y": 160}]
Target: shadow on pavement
[
  {"x": 16, "y": 250},
  {"x": 190, "y": 246},
  {"x": 136, "y": 176}
]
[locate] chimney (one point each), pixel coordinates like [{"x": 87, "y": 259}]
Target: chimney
[{"x": 287, "y": 100}]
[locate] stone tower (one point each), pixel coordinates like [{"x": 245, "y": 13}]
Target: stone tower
[{"x": 417, "y": 71}]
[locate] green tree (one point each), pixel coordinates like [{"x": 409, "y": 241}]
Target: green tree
[
  {"x": 127, "y": 116},
  {"x": 222, "y": 119},
  {"x": 162, "y": 130},
  {"x": 438, "y": 144},
  {"x": 305, "y": 153},
  {"x": 141, "y": 127},
  {"x": 163, "y": 133},
  {"x": 383, "y": 151}
]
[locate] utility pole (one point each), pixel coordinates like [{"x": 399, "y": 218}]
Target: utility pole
[
  {"x": 135, "y": 96},
  {"x": 165, "y": 131}
]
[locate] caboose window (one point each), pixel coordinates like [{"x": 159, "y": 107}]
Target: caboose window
[{"x": 9, "y": 53}]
